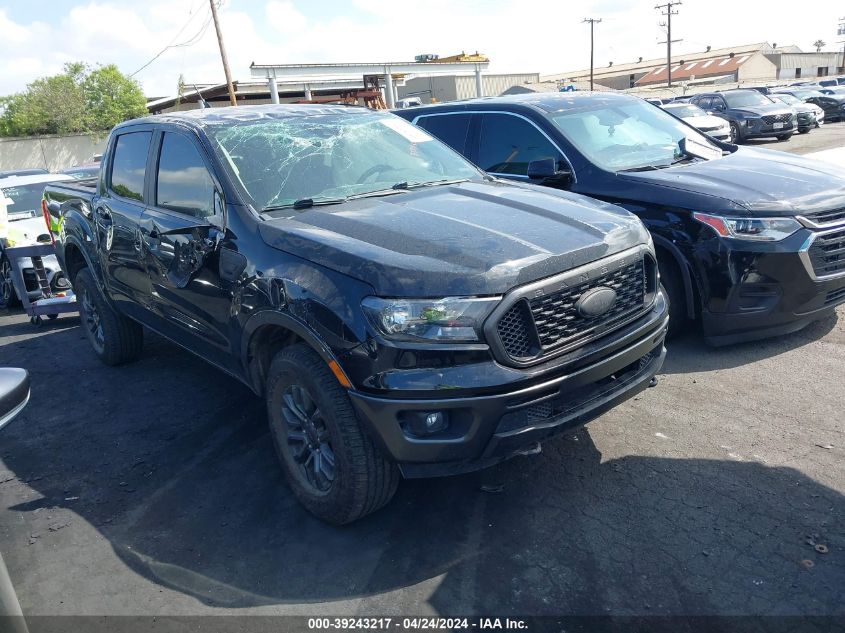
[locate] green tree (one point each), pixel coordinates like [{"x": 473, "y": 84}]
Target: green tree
[
  {"x": 819, "y": 44},
  {"x": 78, "y": 99},
  {"x": 111, "y": 97}
]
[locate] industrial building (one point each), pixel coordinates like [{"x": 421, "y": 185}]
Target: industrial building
[
  {"x": 749, "y": 64},
  {"x": 432, "y": 89}
]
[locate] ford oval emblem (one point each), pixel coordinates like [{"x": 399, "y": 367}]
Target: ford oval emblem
[{"x": 596, "y": 302}]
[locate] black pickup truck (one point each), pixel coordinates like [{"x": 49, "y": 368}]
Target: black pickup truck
[{"x": 400, "y": 311}]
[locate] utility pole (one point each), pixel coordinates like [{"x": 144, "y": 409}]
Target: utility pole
[
  {"x": 841, "y": 31},
  {"x": 668, "y": 11},
  {"x": 223, "y": 53},
  {"x": 592, "y": 22}
]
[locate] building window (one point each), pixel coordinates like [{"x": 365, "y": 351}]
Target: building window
[
  {"x": 822, "y": 71},
  {"x": 798, "y": 73},
  {"x": 631, "y": 81}
]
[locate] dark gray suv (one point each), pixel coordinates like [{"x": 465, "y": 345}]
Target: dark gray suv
[{"x": 750, "y": 114}]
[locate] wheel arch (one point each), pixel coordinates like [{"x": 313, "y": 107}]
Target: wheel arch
[
  {"x": 662, "y": 245},
  {"x": 268, "y": 332}
]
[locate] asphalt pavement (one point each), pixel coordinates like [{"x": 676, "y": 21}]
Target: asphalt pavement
[{"x": 154, "y": 489}]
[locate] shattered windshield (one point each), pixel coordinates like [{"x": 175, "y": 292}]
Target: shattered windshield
[{"x": 330, "y": 155}]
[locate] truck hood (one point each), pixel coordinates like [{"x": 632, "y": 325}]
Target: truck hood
[
  {"x": 760, "y": 181},
  {"x": 473, "y": 238}
]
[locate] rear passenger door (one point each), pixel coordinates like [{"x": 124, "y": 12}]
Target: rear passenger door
[
  {"x": 506, "y": 143},
  {"x": 117, "y": 214}
]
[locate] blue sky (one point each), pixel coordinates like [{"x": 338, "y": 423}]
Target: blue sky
[{"x": 546, "y": 36}]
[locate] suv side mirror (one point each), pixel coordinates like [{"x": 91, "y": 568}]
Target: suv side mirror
[{"x": 545, "y": 169}]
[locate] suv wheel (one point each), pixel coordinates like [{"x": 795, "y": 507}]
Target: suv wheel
[
  {"x": 331, "y": 463},
  {"x": 785, "y": 137},
  {"x": 735, "y": 134},
  {"x": 8, "y": 296},
  {"x": 116, "y": 339}
]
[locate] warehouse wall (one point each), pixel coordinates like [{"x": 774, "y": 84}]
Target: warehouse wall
[
  {"x": 49, "y": 152},
  {"x": 453, "y": 87}
]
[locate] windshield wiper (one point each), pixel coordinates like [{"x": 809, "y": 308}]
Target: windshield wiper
[
  {"x": 406, "y": 186},
  {"x": 647, "y": 167},
  {"x": 302, "y": 203}
]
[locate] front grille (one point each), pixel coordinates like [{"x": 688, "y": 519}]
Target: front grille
[
  {"x": 827, "y": 217},
  {"x": 769, "y": 119},
  {"x": 515, "y": 330},
  {"x": 827, "y": 253},
  {"x": 834, "y": 296},
  {"x": 535, "y": 327}
]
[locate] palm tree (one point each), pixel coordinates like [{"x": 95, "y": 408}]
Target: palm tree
[{"x": 819, "y": 44}]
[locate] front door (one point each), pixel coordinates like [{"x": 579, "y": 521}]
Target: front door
[{"x": 191, "y": 303}]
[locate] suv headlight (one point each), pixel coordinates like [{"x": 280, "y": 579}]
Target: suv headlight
[
  {"x": 447, "y": 320},
  {"x": 760, "y": 229}
]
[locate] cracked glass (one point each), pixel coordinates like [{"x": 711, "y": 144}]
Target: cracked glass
[{"x": 323, "y": 154}]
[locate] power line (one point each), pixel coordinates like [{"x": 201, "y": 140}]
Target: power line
[
  {"x": 189, "y": 42},
  {"x": 593, "y": 22}
]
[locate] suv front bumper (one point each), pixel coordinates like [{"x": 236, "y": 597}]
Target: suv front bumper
[
  {"x": 489, "y": 428},
  {"x": 767, "y": 289}
]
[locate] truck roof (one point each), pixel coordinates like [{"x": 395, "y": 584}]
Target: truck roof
[{"x": 211, "y": 116}]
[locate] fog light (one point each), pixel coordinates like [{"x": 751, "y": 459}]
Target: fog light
[{"x": 422, "y": 423}]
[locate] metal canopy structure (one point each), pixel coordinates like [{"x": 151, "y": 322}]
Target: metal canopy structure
[{"x": 307, "y": 74}]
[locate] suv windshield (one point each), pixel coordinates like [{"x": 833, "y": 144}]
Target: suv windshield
[
  {"x": 686, "y": 110},
  {"x": 330, "y": 156},
  {"x": 789, "y": 99},
  {"x": 618, "y": 135},
  {"x": 745, "y": 98}
]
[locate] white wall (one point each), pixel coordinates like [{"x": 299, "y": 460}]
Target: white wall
[{"x": 49, "y": 152}]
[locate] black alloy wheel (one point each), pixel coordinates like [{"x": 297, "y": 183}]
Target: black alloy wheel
[{"x": 308, "y": 441}]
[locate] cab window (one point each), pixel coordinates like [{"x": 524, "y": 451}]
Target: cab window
[
  {"x": 183, "y": 183},
  {"x": 508, "y": 143},
  {"x": 129, "y": 163}
]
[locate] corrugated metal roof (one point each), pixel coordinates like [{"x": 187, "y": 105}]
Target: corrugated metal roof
[
  {"x": 649, "y": 64},
  {"x": 708, "y": 68}
]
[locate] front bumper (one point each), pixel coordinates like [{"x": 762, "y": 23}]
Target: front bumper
[
  {"x": 756, "y": 128},
  {"x": 761, "y": 290},
  {"x": 486, "y": 429}
]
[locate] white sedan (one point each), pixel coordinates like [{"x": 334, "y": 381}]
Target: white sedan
[
  {"x": 24, "y": 225},
  {"x": 707, "y": 123}
]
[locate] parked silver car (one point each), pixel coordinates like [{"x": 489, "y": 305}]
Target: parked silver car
[{"x": 699, "y": 119}]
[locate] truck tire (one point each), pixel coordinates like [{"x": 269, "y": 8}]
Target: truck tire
[
  {"x": 673, "y": 289},
  {"x": 8, "y": 296},
  {"x": 116, "y": 339},
  {"x": 332, "y": 465}
]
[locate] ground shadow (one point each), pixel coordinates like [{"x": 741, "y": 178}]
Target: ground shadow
[
  {"x": 171, "y": 462},
  {"x": 689, "y": 353}
]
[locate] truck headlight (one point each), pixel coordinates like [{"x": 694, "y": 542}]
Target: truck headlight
[
  {"x": 760, "y": 229},
  {"x": 447, "y": 320}
]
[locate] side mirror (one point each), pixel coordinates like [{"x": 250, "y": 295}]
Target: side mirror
[
  {"x": 14, "y": 393},
  {"x": 546, "y": 169}
]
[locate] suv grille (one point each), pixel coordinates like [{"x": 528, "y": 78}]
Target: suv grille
[
  {"x": 828, "y": 253},
  {"x": 777, "y": 118},
  {"x": 534, "y": 327},
  {"x": 827, "y": 217}
]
